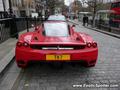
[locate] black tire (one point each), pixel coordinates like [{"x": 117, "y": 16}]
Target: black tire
[{"x": 21, "y": 66}]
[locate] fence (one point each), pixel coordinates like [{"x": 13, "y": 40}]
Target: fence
[
  {"x": 107, "y": 26},
  {"x": 10, "y": 27}
]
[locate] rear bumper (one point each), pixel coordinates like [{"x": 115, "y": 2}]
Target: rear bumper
[{"x": 40, "y": 55}]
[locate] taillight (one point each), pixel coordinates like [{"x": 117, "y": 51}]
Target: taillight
[
  {"x": 19, "y": 44},
  {"x": 94, "y": 44},
  {"x": 89, "y": 45},
  {"x": 25, "y": 44}
]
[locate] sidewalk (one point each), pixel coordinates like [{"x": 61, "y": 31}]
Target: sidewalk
[
  {"x": 99, "y": 30},
  {"x": 7, "y": 51}
]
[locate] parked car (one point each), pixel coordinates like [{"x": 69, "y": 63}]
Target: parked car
[{"x": 56, "y": 41}]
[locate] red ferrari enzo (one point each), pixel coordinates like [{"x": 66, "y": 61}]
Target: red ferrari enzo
[{"x": 55, "y": 41}]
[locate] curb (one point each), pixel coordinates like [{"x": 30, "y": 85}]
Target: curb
[
  {"x": 5, "y": 62},
  {"x": 104, "y": 32}
]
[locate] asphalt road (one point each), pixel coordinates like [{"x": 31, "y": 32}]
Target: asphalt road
[{"x": 39, "y": 76}]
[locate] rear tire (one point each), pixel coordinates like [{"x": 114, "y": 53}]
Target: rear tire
[
  {"x": 90, "y": 65},
  {"x": 22, "y": 66}
]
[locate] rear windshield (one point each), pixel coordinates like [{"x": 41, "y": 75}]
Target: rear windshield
[
  {"x": 56, "y": 29},
  {"x": 62, "y": 18}
]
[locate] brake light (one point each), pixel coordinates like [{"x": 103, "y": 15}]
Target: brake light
[
  {"x": 19, "y": 44},
  {"x": 89, "y": 45},
  {"x": 94, "y": 44},
  {"x": 25, "y": 44}
]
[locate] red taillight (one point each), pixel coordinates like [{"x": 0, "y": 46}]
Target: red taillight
[
  {"x": 25, "y": 44},
  {"x": 89, "y": 45},
  {"x": 19, "y": 44},
  {"x": 94, "y": 44}
]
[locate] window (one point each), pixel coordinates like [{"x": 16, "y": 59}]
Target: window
[
  {"x": 115, "y": 5},
  {"x": 115, "y": 16},
  {"x": 56, "y": 29},
  {"x": 119, "y": 4}
]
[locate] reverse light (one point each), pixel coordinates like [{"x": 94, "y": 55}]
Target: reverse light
[
  {"x": 89, "y": 45},
  {"x": 19, "y": 44},
  {"x": 25, "y": 44}
]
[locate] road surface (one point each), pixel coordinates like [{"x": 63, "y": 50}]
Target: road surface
[{"x": 39, "y": 76}]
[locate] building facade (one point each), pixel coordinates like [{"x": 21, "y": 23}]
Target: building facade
[
  {"x": 1, "y": 6},
  {"x": 20, "y": 8},
  {"x": 23, "y": 7},
  {"x": 4, "y": 5}
]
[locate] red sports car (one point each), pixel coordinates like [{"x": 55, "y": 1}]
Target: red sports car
[{"x": 56, "y": 41}]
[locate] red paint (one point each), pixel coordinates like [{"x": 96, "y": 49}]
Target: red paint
[
  {"x": 25, "y": 54},
  {"x": 115, "y": 7}
]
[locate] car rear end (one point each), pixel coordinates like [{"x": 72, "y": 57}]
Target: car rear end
[{"x": 26, "y": 53}]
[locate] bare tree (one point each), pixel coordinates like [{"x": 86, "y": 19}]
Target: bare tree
[{"x": 53, "y": 4}]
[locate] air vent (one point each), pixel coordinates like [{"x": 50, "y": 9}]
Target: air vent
[{"x": 57, "y": 47}]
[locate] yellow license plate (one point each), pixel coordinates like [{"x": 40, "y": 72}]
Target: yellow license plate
[{"x": 57, "y": 57}]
